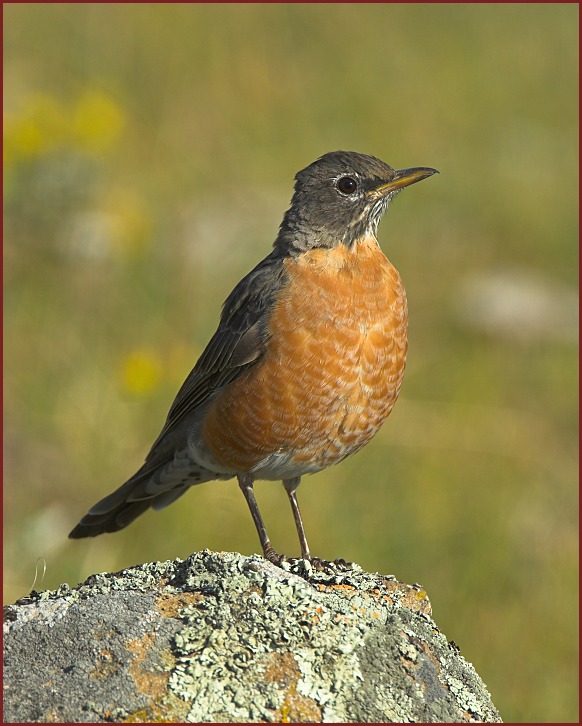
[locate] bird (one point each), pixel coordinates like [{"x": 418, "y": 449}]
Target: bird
[{"x": 305, "y": 365}]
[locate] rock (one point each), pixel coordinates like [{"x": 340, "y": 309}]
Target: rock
[{"x": 220, "y": 637}]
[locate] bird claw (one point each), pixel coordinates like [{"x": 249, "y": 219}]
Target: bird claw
[
  {"x": 307, "y": 565},
  {"x": 326, "y": 565}
]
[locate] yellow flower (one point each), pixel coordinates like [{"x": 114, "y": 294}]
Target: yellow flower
[
  {"x": 132, "y": 222},
  {"x": 38, "y": 127},
  {"x": 42, "y": 124},
  {"x": 141, "y": 372},
  {"x": 97, "y": 121}
]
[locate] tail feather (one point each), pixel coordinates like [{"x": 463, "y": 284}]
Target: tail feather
[
  {"x": 167, "y": 498},
  {"x": 94, "y": 524},
  {"x": 154, "y": 487}
]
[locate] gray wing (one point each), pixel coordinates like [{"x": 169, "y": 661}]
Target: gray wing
[{"x": 238, "y": 343}]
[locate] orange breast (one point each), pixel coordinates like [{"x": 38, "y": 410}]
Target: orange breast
[{"x": 331, "y": 373}]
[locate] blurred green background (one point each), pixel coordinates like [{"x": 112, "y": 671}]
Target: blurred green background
[{"x": 149, "y": 152}]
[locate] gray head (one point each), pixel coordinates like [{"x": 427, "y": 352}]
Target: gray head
[{"x": 340, "y": 198}]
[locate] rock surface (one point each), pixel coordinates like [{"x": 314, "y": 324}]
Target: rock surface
[{"x": 220, "y": 637}]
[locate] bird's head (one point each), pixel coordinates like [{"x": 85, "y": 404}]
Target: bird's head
[{"x": 340, "y": 198}]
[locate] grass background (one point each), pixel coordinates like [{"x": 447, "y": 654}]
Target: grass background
[{"x": 149, "y": 152}]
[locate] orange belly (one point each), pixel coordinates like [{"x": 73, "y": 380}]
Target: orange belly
[{"x": 331, "y": 373}]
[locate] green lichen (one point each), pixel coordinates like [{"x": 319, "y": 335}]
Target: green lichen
[{"x": 226, "y": 638}]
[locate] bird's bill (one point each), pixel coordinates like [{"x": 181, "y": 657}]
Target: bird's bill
[{"x": 404, "y": 178}]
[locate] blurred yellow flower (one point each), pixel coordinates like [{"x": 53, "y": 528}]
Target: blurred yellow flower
[
  {"x": 141, "y": 372},
  {"x": 39, "y": 127},
  {"x": 97, "y": 121},
  {"x": 42, "y": 124},
  {"x": 132, "y": 221}
]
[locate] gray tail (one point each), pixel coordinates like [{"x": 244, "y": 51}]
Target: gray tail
[
  {"x": 149, "y": 487},
  {"x": 115, "y": 519}
]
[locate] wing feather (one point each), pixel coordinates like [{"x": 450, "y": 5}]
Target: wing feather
[{"x": 239, "y": 341}]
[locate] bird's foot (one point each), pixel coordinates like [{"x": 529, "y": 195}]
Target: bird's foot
[
  {"x": 270, "y": 554},
  {"x": 306, "y": 566},
  {"x": 326, "y": 565}
]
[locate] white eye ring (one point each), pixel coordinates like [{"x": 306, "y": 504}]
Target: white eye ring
[{"x": 346, "y": 185}]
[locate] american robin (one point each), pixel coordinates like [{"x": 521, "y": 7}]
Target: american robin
[{"x": 307, "y": 360}]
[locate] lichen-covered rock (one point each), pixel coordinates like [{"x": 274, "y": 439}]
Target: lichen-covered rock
[{"x": 220, "y": 637}]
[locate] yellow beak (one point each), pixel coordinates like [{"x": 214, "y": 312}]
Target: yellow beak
[{"x": 404, "y": 178}]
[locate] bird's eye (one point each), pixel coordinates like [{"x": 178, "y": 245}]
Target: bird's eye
[{"x": 347, "y": 185}]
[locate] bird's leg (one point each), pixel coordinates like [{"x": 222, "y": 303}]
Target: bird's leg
[
  {"x": 317, "y": 563},
  {"x": 245, "y": 482},
  {"x": 290, "y": 487}
]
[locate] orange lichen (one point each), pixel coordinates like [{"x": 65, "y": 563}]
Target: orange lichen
[
  {"x": 283, "y": 671},
  {"x": 149, "y": 682},
  {"x": 171, "y": 605}
]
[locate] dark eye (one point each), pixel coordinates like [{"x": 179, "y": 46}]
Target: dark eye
[{"x": 347, "y": 185}]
